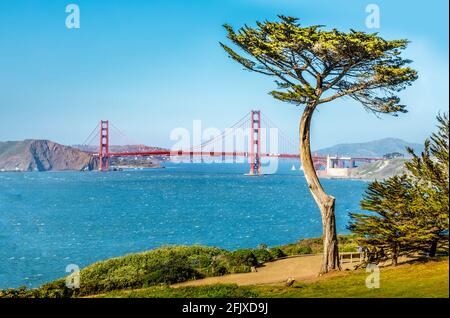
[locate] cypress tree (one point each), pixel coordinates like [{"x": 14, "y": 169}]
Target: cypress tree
[
  {"x": 313, "y": 66},
  {"x": 430, "y": 172},
  {"x": 385, "y": 230},
  {"x": 409, "y": 212}
]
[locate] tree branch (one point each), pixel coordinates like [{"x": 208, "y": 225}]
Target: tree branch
[{"x": 352, "y": 90}]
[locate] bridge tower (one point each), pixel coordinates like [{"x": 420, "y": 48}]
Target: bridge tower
[
  {"x": 103, "y": 154},
  {"x": 255, "y": 142}
]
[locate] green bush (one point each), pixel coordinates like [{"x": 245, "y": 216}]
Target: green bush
[
  {"x": 262, "y": 255},
  {"x": 276, "y": 253},
  {"x": 242, "y": 261},
  {"x": 165, "y": 265},
  {"x": 176, "y": 270},
  {"x": 304, "y": 250}
]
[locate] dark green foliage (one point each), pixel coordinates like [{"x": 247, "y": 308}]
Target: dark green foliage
[
  {"x": 387, "y": 228},
  {"x": 243, "y": 260},
  {"x": 177, "y": 270},
  {"x": 430, "y": 173},
  {"x": 160, "y": 266},
  {"x": 410, "y": 212},
  {"x": 276, "y": 253},
  {"x": 262, "y": 255}
]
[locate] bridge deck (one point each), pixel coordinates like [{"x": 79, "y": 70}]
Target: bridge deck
[{"x": 220, "y": 154}]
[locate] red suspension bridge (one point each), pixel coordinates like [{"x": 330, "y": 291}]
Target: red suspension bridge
[{"x": 254, "y": 137}]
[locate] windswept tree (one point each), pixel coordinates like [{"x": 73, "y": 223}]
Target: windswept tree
[{"x": 313, "y": 66}]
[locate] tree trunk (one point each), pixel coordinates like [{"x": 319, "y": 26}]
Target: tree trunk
[
  {"x": 433, "y": 249},
  {"x": 394, "y": 255},
  {"x": 325, "y": 202}
]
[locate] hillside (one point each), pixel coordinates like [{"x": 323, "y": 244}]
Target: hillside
[
  {"x": 199, "y": 271},
  {"x": 379, "y": 169},
  {"x": 414, "y": 279},
  {"x": 375, "y": 149},
  {"x": 42, "y": 155}
]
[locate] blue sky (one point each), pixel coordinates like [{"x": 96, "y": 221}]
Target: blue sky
[{"x": 152, "y": 66}]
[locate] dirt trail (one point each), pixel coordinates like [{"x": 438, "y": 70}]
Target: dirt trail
[{"x": 302, "y": 268}]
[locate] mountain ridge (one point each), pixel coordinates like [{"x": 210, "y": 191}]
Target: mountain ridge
[
  {"x": 372, "y": 149},
  {"x": 46, "y": 155}
]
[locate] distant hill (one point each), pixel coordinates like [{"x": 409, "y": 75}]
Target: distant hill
[
  {"x": 379, "y": 169},
  {"x": 42, "y": 155},
  {"x": 118, "y": 148},
  {"x": 373, "y": 149}
]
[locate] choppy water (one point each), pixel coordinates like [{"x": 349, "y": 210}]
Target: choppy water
[{"x": 50, "y": 220}]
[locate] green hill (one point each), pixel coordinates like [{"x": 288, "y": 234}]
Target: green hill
[{"x": 415, "y": 279}]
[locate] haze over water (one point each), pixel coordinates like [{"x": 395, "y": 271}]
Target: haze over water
[{"x": 53, "y": 219}]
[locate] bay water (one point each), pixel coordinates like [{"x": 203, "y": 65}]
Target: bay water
[{"x": 49, "y": 220}]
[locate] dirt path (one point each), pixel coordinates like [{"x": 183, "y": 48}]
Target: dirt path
[{"x": 302, "y": 268}]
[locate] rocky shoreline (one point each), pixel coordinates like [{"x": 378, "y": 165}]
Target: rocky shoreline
[{"x": 43, "y": 155}]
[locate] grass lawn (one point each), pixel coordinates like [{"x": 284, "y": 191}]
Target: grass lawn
[{"x": 428, "y": 279}]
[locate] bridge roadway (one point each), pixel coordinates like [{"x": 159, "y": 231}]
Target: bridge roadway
[
  {"x": 195, "y": 153},
  {"x": 221, "y": 154}
]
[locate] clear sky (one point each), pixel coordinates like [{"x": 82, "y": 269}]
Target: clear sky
[{"x": 151, "y": 66}]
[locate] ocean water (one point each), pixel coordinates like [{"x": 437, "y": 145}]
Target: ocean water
[{"x": 53, "y": 219}]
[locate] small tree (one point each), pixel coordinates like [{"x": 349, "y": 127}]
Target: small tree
[
  {"x": 313, "y": 66},
  {"x": 430, "y": 173},
  {"x": 387, "y": 229},
  {"x": 410, "y": 212}
]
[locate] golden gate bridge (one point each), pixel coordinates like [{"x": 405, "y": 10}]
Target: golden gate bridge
[{"x": 254, "y": 136}]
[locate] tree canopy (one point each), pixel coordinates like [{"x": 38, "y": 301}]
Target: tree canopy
[{"x": 314, "y": 66}]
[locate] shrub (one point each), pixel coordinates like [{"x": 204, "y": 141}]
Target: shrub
[
  {"x": 166, "y": 265},
  {"x": 262, "y": 255},
  {"x": 243, "y": 257},
  {"x": 276, "y": 253},
  {"x": 176, "y": 270},
  {"x": 304, "y": 250}
]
